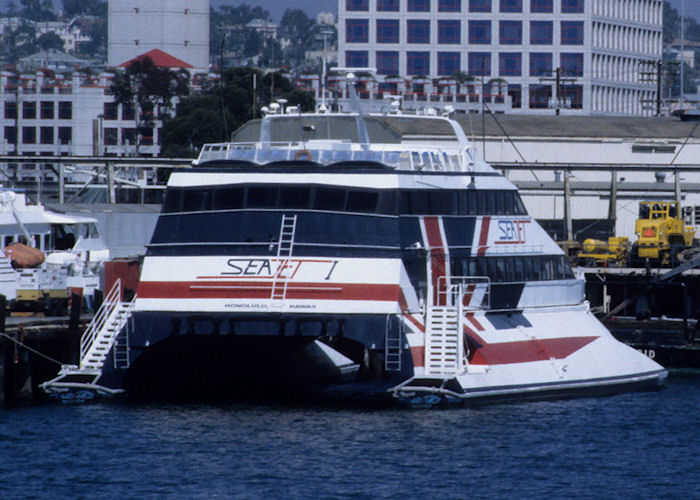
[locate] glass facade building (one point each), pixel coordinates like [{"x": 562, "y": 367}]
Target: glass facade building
[{"x": 600, "y": 48}]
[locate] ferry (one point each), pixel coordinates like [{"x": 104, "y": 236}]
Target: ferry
[{"x": 344, "y": 254}]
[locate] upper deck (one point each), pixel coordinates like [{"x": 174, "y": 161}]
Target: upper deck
[{"x": 401, "y": 142}]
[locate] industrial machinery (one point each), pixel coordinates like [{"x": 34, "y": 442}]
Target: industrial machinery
[
  {"x": 661, "y": 236},
  {"x": 597, "y": 253}
]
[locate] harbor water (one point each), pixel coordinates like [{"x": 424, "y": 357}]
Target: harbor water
[{"x": 635, "y": 445}]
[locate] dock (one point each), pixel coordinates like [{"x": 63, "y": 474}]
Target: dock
[{"x": 32, "y": 348}]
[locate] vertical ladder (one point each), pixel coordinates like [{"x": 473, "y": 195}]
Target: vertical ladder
[
  {"x": 284, "y": 251},
  {"x": 443, "y": 341},
  {"x": 121, "y": 345},
  {"x": 392, "y": 346}
]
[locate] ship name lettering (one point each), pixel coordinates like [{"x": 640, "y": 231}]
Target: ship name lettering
[
  {"x": 250, "y": 267},
  {"x": 512, "y": 232}
]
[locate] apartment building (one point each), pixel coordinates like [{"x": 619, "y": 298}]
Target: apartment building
[
  {"x": 532, "y": 56},
  {"x": 178, "y": 27}
]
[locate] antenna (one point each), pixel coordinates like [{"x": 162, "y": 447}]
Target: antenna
[{"x": 350, "y": 78}]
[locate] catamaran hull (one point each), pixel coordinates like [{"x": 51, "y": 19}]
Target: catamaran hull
[{"x": 182, "y": 356}]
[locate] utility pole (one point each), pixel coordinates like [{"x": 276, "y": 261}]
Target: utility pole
[
  {"x": 652, "y": 72},
  {"x": 558, "y": 80},
  {"x": 682, "y": 49}
]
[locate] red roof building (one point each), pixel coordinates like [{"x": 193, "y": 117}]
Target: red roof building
[{"x": 161, "y": 59}]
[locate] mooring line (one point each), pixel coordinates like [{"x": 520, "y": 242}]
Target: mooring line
[{"x": 31, "y": 349}]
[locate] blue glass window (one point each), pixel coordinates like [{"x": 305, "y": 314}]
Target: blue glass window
[
  {"x": 449, "y": 5},
  {"x": 480, "y": 63},
  {"x": 480, "y": 32},
  {"x": 417, "y": 31},
  {"x": 572, "y": 32},
  {"x": 510, "y": 32},
  {"x": 357, "y": 30},
  {"x": 418, "y": 63},
  {"x": 449, "y": 32},
  {"x": 356, "y": 58},
  {"x": 572, "y": 64},
  {"x": 541, "y": 6},
  {"x": 356, "y": 4},
  {"x": 387, "y": 31},
  {"x": 540, "y": 64},
  {"x": 572, "y": 6},
  {"x": 388, "y": 5},
  {"x": 510, "y": 64},
  {"x": 573, "y": 94},
  {"x": 511, "y": 5},
  {"x": 448, "y": 63},
  {"x": 418, "y": 6},
  {"x": 540, "y": 96},
  {"x": 541, "y": 32},
  {"x": 479, "y": 5},
  {"x": 516, "y": 95},
  {"x": 387, "y": 62}
]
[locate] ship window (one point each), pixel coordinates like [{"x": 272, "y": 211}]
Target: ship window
[
  {"x": 173, "y": 200},
  {"x": 194, "y": 200},
  {"x": 295, "y": 197},
  {"x": 362, "y": 201},
  {"x": 519, "y": 206},
  {"x": 471, "y": 203},
  {"x": 500, "y": 203},
  {"x": 261, "y": 197},
  {"x": 481, "y": 202},
  {"x": 387, "y": 202},
  {"x": 508, "y": 201},
  {"x": 420, "y": 202},
  {"x": 228, "y": 198},
  {"x": 329, "y": 199},
  {"x": 519, "y": 269},
  {"x": 490, "y": 203}
]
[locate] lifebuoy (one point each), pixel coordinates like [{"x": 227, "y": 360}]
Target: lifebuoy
[{"x": 303, "y": 154}]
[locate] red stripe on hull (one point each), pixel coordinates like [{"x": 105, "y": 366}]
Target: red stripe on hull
[
  {"x": 526, "y": 351},
  {"x": 438, "y": 264},
  {"x": 484, "y": 236},
  {"x": 418, "y": 356},
  {"x": 263, "y": 290}
]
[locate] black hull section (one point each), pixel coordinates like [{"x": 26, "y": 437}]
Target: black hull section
[{"x": 210, "y": 368}]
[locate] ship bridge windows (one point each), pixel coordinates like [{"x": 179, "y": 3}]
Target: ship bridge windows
[
  {"x": 345, "y": 199},
  {"x": 513, "y": 269},
  {"x": 300, "y": 197},
  {"x": 469, "y": 202}
]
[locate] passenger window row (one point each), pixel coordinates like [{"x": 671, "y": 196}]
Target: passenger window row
[
  {"x": 340, "y": 199},
  {"x": 513, "y": 269}
]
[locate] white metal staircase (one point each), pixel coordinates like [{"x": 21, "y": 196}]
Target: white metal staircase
[
  {"x": 284, "y": 251},
  {"x": 100, "y": 336},
  {"x": 443, "y": 341}
]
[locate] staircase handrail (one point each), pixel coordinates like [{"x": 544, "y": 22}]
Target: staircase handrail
[
  {"x": 451, "y": 289},
  {"x": 110, "y": 303}
]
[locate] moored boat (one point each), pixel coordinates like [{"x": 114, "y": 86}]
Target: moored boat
[{"x": 348, "y": 254}]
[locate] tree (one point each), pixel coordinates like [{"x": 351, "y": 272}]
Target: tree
[
  {"x": 299, "y": 29},
  {"x": 50, "y": 40},
  {"x": 150, "y": 88},
  {"x": 220, "y": 108},
  {"x": 38, "y": 10},
  {"x": 74, "y": 8}
]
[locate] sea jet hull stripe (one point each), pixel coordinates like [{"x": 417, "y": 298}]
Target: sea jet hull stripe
[{"x": 260, "y": 290}]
